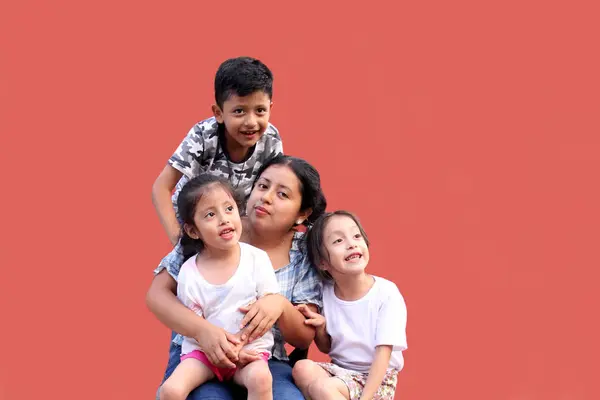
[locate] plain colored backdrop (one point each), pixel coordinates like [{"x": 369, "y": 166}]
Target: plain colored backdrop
[{"x": 465, "y": 135}]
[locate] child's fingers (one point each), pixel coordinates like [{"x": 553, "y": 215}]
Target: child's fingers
[
  {"x": 316, "y": 322},
  {"x": 307, "y": 312}
]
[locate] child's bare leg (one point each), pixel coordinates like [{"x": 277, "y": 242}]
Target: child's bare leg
[
  {"x": 257, "y": 378},
  {"x": 316, "y": 383},
  {"x": 188, "y": 375}
]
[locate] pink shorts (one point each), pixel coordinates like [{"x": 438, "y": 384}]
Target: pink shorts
[{"x": 222, "y": 374}]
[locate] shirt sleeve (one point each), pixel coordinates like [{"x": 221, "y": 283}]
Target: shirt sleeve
[
  {"x": 391, "y": 319},
  {"x": 172, "y": 262},
  {"x": 308, "y": 288},
  {"x": 265, "y": 275},
  {"x": 185, "y": 292},
  {"x": 277, "y": 149},
  {"x": 188, "y": 156}
]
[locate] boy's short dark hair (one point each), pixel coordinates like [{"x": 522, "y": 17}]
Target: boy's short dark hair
[
  {"x": 242, "y": 76},
  {"x": 314, "y": 239}
]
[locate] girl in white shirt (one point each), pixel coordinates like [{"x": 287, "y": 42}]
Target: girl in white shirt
[
  {"x": 221, "y": 277},
  {"x": 363, "y": 326}
]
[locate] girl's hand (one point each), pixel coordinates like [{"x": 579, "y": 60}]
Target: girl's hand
[
  {"x": 262, "y": 315},
  {"x": 219, "y": 346},
  {"x": 247, "y": 356},
  {"x": 313, "y": 319}
]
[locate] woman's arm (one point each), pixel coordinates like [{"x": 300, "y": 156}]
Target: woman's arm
[
  {"x": 316, "y": 320},
  {"x": 262, "y": 315},
  {"x": 292, "y": 326},
  {"x": 164, "y": 304}
]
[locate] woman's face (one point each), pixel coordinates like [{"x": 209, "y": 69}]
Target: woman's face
[{"x": 275, "y": 201}]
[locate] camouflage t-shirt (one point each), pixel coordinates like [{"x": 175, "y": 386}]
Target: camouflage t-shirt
[{"x": 201, "y": 152}]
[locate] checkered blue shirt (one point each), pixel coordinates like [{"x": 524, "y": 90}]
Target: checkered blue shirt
[{"x": 298, "y": 281}]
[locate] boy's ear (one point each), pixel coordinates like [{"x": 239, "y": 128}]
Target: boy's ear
[
  {"x": 271, "y": 106},
  {"x": 218, "y": 113},
  {"x": 191, "y": 231}
]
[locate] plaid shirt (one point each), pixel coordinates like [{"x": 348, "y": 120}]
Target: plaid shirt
[{"x": 298, "y": 281}]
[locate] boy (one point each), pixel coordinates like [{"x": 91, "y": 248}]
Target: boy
[{"x": 233, "y": 144}]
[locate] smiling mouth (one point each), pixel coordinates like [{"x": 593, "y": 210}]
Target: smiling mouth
[
  {"x": 226, "y": 232},
  {"x": 353, "y": 256},
  {"x": 249, "y": 133}
]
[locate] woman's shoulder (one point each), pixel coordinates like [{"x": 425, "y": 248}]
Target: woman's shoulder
[{"x": 299, "y": 242}]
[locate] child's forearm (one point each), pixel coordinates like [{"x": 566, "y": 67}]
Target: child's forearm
[
  {"x": 323, "y": 340},
  {"x": 377, "y": 372},
  {"x": 162, "y": 191}
]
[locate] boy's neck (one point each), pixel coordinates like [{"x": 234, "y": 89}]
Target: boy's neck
[
  {"x": 233, "y": 150},
  {"x": 353, "y": 287}
]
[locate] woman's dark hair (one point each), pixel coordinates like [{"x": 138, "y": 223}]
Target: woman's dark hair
[
  {"x": 242, "y": 76},
  {"x": 188, "y": 199},
  {"x": 317, "y": 253},
  {"x": 310, "y": 184}
]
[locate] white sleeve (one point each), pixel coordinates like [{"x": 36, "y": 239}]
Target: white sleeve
[
  {"x": 391, "y": 319},
  {"x": 264, "y": 275},
  {"x": 186, "y": 292}
]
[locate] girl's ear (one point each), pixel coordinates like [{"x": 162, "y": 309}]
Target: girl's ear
[{"x": 191, "y": 231}]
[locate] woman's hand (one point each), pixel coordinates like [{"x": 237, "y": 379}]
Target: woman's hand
[
  {"x": 262, "y": 315},
  {"x": 247, "y": 356},
  {"x": 221, "y": 347}
]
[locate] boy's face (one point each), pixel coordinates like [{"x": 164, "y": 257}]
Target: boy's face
[{"x": 246, "y": 119}]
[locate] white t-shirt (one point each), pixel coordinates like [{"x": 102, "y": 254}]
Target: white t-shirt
[
  {"x": 357, "y": 327},
  {"x": 219, "y": 304}
]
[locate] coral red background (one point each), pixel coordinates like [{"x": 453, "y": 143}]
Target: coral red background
[{"x": 464, "y": 134}]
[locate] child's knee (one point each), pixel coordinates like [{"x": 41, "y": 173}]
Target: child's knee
[
  {"x": 261, "y": 379},
  {"x": 302, "y": 371},
  {"x": 169, "y": 391}
]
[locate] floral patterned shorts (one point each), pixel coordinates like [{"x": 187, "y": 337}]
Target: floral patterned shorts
[{"x": 355, "y": 381}]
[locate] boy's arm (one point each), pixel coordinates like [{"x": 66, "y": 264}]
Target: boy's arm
[
  {"x": 381, "y": 361},
  {"x": 162, "y": 190}
]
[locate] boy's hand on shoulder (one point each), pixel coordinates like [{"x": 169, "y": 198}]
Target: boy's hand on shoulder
[{"x": 313, "y": 319}]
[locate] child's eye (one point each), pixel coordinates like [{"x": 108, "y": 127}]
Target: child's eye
[
  {"x": 229, "y": 208},
  {"x": 337, "y": 241},
  {"x": 238, "y": 111},
  {"x": 358, "y": 236},
  {"x": 261, "y": 110},
  {"x": 209, "y": 214}
]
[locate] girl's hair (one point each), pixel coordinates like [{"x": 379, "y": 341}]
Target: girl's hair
[
  {"x": 310, "y": 184},
  {"x": 317, "y": 253},
  {"x": 188, "y": 199}
]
